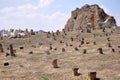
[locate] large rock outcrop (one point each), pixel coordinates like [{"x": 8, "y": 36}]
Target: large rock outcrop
[{"x": 88, "y": 16}]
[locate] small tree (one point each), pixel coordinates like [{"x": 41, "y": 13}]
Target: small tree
[{"x": 100, "y": 24}]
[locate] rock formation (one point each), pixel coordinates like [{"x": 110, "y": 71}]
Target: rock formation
[{"x": 88, "y": 16}]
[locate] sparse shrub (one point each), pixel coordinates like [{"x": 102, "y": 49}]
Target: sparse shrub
[
  {"x": 45, "y": 78},
  {"x": 100, "y": 24}
]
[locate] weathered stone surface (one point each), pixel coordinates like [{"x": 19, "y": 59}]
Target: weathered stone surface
[{"x": 88, "y": 16}]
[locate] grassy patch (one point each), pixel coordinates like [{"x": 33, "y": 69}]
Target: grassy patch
[{"x": 44, "y": 78}]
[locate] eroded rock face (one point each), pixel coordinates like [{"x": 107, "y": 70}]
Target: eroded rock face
[{"x": 88, "y": 16}]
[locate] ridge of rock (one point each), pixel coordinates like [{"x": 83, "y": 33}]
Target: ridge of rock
[{"x": 88, "y": 15}]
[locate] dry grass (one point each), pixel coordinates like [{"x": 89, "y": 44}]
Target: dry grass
[{"x": 38, "y": 66}]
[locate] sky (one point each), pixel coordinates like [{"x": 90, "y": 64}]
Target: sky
[{"x": 47, "y": 15}]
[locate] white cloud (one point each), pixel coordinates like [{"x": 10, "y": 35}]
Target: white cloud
[
  {"x": 7, "y": 10},
  {"x": 44, "y": 3},
  {"x": 11, "y": 2},
  {"x": 27, "y": 7},
  {"x": 29, "y": 16},
  {"x": 7, "y": 1}
]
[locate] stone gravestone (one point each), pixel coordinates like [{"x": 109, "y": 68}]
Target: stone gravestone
[{"x": 1, "y": 48}]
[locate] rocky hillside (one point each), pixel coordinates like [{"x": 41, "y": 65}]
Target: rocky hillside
[{"x": 88, "y": 15}]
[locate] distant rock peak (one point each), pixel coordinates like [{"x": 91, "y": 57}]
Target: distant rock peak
[{"x": 93, "y": 14}]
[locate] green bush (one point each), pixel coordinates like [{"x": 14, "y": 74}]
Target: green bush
[
  {"x": 100, "y": 25},
  {"x": 44, "y": 78}
]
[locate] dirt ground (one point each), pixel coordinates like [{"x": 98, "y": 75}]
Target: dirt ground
[{"x": 38, "y": 66}]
